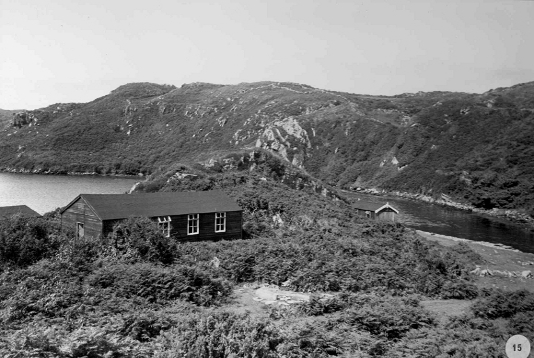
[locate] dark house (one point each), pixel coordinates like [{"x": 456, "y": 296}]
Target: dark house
[
  {"x": 378, "y": 211},
  {"x": 191, "y": 216},
  {"x": 8, "y": 211}
]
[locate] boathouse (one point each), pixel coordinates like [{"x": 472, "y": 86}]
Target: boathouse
[
  {"x": 377, "y": 211},
  {"x": 8, "y": 211},
  {"x": 189, "y": 216}
]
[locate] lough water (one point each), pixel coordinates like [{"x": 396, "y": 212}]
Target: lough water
[
  {"x": 44, "y": 193},
  {"x": 453, "y": 222}
]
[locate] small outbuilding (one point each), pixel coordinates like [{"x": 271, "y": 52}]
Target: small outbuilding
[
  {"x": 377, "y": 211},
  {"x": 8, "y": 211},
  {"x": 190, "y": 216}
]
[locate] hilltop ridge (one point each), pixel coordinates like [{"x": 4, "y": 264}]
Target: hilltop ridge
[{"x": 474, "y": 148}]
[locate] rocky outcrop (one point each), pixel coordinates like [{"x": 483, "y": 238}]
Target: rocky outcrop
[
  {"x": 285, "y": 172},
  {"x": 24, "y": 118}
]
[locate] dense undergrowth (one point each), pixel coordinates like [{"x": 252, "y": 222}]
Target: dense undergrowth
[{"x": 139, "y": 294}]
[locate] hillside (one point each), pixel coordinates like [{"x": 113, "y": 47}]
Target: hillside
[
  {"x": 476, "y": 148},
  {"x": 367, "y": 289},
  {"x": 6, "y": 118}
]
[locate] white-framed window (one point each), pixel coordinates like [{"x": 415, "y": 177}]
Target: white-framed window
[
  {"x": 220, "y": 222},
  {"x": 80, "y": 232},
  {"x": 164, "y": 225},
  {"x": 192, "y": 224}
]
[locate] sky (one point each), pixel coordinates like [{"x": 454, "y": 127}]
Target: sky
[{"x": 59, "y": 51}]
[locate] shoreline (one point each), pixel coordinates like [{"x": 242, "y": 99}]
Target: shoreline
[
  {"x": 444, "y": 238},
  {"x": 63, "y": 173},
  {"x": 498, "y": 267}
]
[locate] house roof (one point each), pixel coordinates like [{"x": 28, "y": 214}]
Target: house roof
[
  {"x": 6, "y": 211},
  {"x": 370, "y": 206},
  {"x": 122, "y": 206}
]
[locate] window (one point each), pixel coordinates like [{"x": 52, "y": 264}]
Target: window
[
  {"x": 192, "y": 224},
  {"x": 220, "y": 222},
  {"x": 80, "y": 232},
  {"x": 164, "y": 224}
]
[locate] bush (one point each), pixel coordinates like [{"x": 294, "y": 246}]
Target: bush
[
  {"x": 161, "y": 284},
  {"x": 501, "y": 304},
  {"x": 522, "y": 323},
  {"x": 24, "y": 240},
  {"x": 459, "y": 290},
  {"x": 141, "y": 238},
  {"x": 391, "y": 318},
  {"x": 48, "y": 288},
  {"x": 220, "y": 335},
  {"x": 79, "y": 252},
  {"x": 145, "y": 326},
  {"x": 318, "y": 306}
]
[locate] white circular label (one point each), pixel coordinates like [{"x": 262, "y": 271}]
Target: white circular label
[{"x": 517, "y": 346}]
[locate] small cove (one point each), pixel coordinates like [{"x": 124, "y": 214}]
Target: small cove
[
  {"x": 448, "y": 221},
  {"x": 44, "y": 193}
]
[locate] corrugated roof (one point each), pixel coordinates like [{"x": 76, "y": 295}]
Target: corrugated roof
[
  {"x": 6, "y": 211},
  {"x": 370, "y": 206},
  {"x": 122, "y": 206}
]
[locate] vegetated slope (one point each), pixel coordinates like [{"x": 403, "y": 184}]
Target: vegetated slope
[
  {"x": 137, "y": 293},
  {"x": 476, "y": 148},
  {"x": 6, "y": 118}
]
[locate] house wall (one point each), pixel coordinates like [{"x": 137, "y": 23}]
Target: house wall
[
  {"x": 206, "y": 230},
  {"x": 81, "y": 212},
  {"x": 362, "y": 213},
  {"x": 387, "y": 214}
]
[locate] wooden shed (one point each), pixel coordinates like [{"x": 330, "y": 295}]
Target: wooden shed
[
  {"x": 8, "y": 211},
  {"x": 190, "y": 216},
  {"x": 378, "y": 211}
]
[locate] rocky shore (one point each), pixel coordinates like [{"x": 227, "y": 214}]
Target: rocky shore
[{"x": 63, "y": 172}]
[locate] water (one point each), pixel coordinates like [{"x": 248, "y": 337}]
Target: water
[
  {"x": 453, "y": 222},
  {"x": 44, "y": 193}
]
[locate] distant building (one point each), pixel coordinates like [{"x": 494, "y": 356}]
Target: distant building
[
  {"x": 8, "y": 211},
  {"x": 378, "y": 211},
  {"x": 190, "y": 216}
]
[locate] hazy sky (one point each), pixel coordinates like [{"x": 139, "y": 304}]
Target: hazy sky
[{"x": 72, "y": 51}]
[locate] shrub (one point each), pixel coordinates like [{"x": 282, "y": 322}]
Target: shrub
[
  {"x": 522, "y": 323},
  {"x": 79, "y": 252},
  {"x": 48, "y": 288},
  {"x": 24, "y": 240},
  {"x": 220, "y": 335},
  {"x": 161, "y": 284},
  {"x": 459, "y": 290},
  {"x": 501, "y": 304},
  {"x": 391, "y": 318},
  {"x": 145, "y": 326},
  {"x": 317, "y": 305},
  {"x": 140, "y": 237}
]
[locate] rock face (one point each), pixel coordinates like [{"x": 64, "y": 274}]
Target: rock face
[
  {"x": 24, "y": 118},
  {"x": 424, "y": 144}
]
